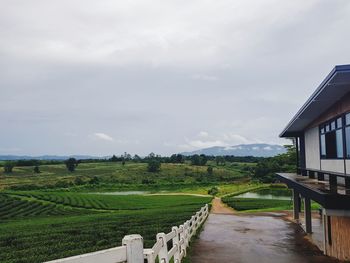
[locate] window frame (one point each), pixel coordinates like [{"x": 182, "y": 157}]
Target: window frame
[{"x": 326, "y": 127}]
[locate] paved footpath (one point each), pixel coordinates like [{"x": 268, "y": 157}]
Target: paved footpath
[{"x": 231, "y": 238}]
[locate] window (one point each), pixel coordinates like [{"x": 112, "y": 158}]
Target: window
[
  {"x": 339, "y": 140},
  {"x": 331, "y": 139},
  {"x": 347, "y": 139},
  {"x": 323, "y": 145}
]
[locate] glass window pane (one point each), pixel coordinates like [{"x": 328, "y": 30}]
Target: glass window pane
[
  {"x": 323, "y": 144},
  {"x": 327, "y": 128},
  {"x": 322, "y": 130},
  {"x": 347, "y": 138},
  {"x": 339, "y": 137},
  {"x": 347, "y": 119},
  {"x": 339, "y": 123},
  {"x": 333, "y": 125}
]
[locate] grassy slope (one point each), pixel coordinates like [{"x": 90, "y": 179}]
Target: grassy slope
[
  {"x": 115, "y": 173},
  {"x": 41, "y": 237}
]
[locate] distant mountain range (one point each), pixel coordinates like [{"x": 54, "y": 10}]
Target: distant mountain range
[
  {"x": 257, "y": 150},
  {"x": 47, "y": 157}
]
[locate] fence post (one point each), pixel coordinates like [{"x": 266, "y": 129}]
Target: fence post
[
  {"x": 186, "y": 227},
  {"x": 163, "y": 253},
  {"x": 176, "y": 244},
  {"x": 134, "y": 248},
  {"x": 182, "y": 237},
  {"x": 198, "y": 220}
]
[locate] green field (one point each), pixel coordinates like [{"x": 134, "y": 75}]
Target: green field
[
  {"x": 249, "y": 204},
  {"x": 53, "y": 215},
  {"x": 117, "y": 176},
  {"x": 39, "y": 226},
  {"x": 245, "y": 204}
]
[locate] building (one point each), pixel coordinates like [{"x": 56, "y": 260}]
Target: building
[{"x": 321, "y": 129}]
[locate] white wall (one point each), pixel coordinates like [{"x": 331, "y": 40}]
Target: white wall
[
  {"x": 312, "y": 148},
  {"x": 347, "y": 166},
  {"x": 333, "y": 165}
]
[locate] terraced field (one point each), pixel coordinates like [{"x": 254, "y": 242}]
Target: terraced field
[
  {"x": 12, "y": 207},
  {"x": 40, "y": 226},
  {"x": 243, "y": 204}
]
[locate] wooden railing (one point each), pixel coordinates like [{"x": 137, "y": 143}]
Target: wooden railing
[
  {"x": 333, "y": 177},
  {"x": 169, "y": 246}
]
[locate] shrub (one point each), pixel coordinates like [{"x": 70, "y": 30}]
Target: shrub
[
  {"x": 78, "y": 181},
  {"x": 213, "y": 191},
  {"x": 8, "y": 167},
  {"x": 210, "y": 170},
  {"x": 154, "y": 166},
  {"x": 36, "y": 169},
  {"x": 71, "y": 164}
]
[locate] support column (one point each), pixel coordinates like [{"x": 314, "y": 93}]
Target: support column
[
  {"x": 296, "y": 205},
  {"x": 347, "y": 185},
  {"x": 307, "y": 215},
  {"x": 333, "y": 185}
]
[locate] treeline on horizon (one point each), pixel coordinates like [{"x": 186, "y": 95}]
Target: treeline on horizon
[
  {"x": 175, "y": 158},
  {"x": 264, "y": 170}
]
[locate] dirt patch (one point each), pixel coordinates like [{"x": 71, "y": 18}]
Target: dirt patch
[{"x": 218, "y": 207}]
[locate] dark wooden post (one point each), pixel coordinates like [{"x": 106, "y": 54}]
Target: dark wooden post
[
  {"x": 320, "y": 176},
  {"x": 333, "y": 183},
  {"x": 307, "y": 215},
  {"x": 296, "y": 204},
  {"x": 347, "y": 185},
  {"x": 312, "y": 174}
]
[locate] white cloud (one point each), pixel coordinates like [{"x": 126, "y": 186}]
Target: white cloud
[
  {"x": 158, "y": 71},
  {"x": 205, "y": 140},
  {"x": 203, "y": 134},
  {"x": 103, "y": 136}
]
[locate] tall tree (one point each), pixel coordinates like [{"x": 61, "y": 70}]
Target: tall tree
[{"x": 71, "y": 164}]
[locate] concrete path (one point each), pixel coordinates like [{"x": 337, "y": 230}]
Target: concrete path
[{"x": 233, "y": 238}]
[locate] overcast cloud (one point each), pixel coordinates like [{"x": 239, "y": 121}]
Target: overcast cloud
[{"x": 104, "y": 77}]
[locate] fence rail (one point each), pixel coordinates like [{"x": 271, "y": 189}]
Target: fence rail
[{"x": 169, "y": 246}]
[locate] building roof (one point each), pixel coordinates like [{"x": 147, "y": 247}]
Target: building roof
[{"x": 332, "y": 89}]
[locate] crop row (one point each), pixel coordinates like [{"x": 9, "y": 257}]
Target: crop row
[
  {"x": 111, "y": 202},
  {"x": 15, "y": 208},
  {"x": 242, "y": 204},
  {"x": 43, "y": 240}
]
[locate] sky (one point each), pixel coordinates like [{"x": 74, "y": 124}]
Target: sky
[{"x": 105, "y": 77}]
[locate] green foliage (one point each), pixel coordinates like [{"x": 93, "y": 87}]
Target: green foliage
[
  {"x": 210, "y": 170},
  {"x": 213, "y": 191},
  {"x": 177, "y": 158},
  {"x": 78, "y": 181},
  {"x": 67, "y": 224},
  {"x": 266, "y": 168},
  {"x": 71, "y": 164},
  {"x": 115, "y": 176},
  {"x": 220, "y": 160},
  {"x": 8, "y": 167},
  {"x": 153, "y": 166},
  {"x": 243, "y": 204},
  {"x": 114, "y": 158},
  {"x": 36, "y": 169},
  {"x": 94, "y": 180},
  {"x": 199, "y": 160}
]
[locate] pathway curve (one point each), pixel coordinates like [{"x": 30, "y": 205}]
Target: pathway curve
[{"x": 235, "y": 238}]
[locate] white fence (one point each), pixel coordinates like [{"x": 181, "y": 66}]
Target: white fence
[{"x": 132, "y": 250}]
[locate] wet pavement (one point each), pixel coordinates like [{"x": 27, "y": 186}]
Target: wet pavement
[{"x": 232, "y": 238}]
